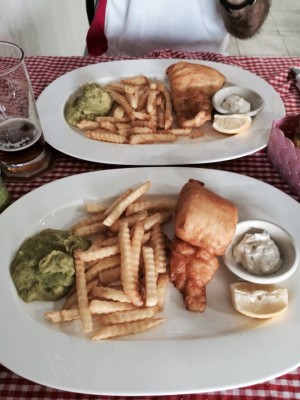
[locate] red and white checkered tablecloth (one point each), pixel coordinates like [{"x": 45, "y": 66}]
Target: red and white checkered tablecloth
[{"x": 276, "y": 71}]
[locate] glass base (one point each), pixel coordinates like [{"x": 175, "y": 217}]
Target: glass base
[{"x": 27, "y": 170}]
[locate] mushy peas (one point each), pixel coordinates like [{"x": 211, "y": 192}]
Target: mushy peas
[
  {"x": 44, "y": 268},
  {"x": 93, "y": 102}
]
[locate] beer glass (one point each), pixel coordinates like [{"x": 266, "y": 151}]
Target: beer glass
[{"x": 23, "y": 152}]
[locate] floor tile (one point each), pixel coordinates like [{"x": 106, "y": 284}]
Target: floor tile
[
  {"x": 292, "y": 43},
  {"x": 286, "y": 21},
  {"x": 285, "y": 5},
  {"x": 264, "y": 44},
  {"x": 269, "y": 25},
  {"x": 233, "y": 47}
]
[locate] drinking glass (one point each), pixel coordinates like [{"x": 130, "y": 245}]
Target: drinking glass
[{"x": 23, "y": 151}]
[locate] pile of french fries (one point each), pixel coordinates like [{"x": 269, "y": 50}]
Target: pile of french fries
[
  {"x": 121, "y": 279},
  {"x": 142, "y": 114}
]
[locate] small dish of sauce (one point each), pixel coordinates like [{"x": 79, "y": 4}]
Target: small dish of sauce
[
  {"x": 262, "y": 252},
  {"x": 237, "y": 100}
]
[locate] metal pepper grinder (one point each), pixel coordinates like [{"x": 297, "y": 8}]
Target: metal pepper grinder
[{"x": 4, "y": 195}]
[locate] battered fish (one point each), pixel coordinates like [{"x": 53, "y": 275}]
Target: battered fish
[
  {"x": 191, "y": 269},
  {"x": 192, "y": 86},
  {"x": 204, "y": 219},
  {"x": 204, "y": 226}
]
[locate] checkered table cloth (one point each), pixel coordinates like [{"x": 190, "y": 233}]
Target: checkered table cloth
[{"x": 276, "y": 71}]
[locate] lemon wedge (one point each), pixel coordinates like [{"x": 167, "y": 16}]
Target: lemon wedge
[
  {"x": 259, "y": 301},
  {"x": 231, "y": 124}
]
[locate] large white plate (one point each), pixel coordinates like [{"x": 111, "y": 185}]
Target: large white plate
[
  {"x": 211, "y": 147},
  {"x": 190, "y": 352}
]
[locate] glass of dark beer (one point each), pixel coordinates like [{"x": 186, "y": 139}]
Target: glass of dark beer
[{"x": 23, "y": 151}]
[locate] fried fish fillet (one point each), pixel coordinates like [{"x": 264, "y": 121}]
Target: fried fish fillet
[
  {"x": 192, "y": 86},
  {"x": 191, "y": 269},
  {"x": 204, "y": 219},
  {"x": 204, "y": 226}
]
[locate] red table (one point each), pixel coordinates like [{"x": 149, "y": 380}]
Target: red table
[{"x": 276, "y": 71}]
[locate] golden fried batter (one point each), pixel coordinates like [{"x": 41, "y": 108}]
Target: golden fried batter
[
  {"x": 204, "y": 226},
  {"x": 191, "y": 269},
  {"x": 192, "y": 86}
]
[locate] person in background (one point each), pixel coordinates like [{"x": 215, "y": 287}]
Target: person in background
[{"x": 136, "y": 27}]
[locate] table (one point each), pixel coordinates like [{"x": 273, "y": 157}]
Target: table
[{"x": 276, "y": 71}]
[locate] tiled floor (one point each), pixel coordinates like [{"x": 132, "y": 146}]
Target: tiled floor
[{"x": 280, "y": 35}]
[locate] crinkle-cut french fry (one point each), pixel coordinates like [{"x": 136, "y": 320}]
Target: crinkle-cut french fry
[
  {"x": 110, "y": 275},
  {"x": 132, "y": 99},
  {"x": 107, "y": 125},
  {"x": 159, "y": 249},
  {"x": 142, "y": 102},
  {"x": 147, "y": 124},
  {"x": 140, "y": 130},
  {"x": 109, "y": 293},
  {"x": 122, "y": 125},
  {"x": 151, "y": 105},
  {"x": 157, "y": 218},
  {"x": 158, "y": 204},
  {"x": 128, "y": 278},
  {"x": 179, "y": 131},
  {"x": 148, "y": 138},
  {"x": 130, "y": 89},
  {"x": 118, "y": 87},
  {"x": 143, "y": 116},
  {"x": 106, "y": 307},
  {"x": 110, "y": 241},
  {"x": 160, "y": 118},
  {"x": 119, "y": 113},
  {"x": 129, "y": 316},
  {"x": 130, "y": 219},
  {"x": 63, "y": 315},
  {"x": 82, "y": 297},
  {"x": 105, "y": 136},
  {"x": 102, "y": 265},
  {"x": 127, "y": 328},
  {"x": 89, "y": 220},
  {"x": 168, "y": 105},
  {"x": 150, "y": 277},
  {"x": 71, "y": 300},
  {"x": 96, "y": 242},
  {"x": 111, "y": 119},
  {"x": 89, "y": 229},
  {"x": 98, "y": 254},
  {"x": 117, "y": 200},
  {"x": 86, "y": 124},
  {"x": 95, "y": 208},
  {"x": 122, "y": 101},
  {"x": 196, "y": 132},
  {"x": 146, "y": 237},
  {"x": 138, "y": 235},
  {"x": 162, "y": 283},
  {"x": 130, "y": 264},
  {"x": 136, "y": 80},
  {"x": 124, "y": 203}
]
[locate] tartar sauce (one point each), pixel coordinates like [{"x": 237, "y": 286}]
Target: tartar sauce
[
  {"x": 258, "y": 254},
  {"x": 236, "y": 104}
]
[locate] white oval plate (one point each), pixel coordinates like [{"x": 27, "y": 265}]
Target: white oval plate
[
  {"x": 213, "y": 146},
  {"x": 190, "y": 352}
]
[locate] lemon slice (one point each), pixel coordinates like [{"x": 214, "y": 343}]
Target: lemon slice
[
  {"x": 259, "y": 301},
  {"x": 232, "y": 124}
]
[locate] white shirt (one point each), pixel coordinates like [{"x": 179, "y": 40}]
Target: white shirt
[{"x": 136, "y": 27}]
